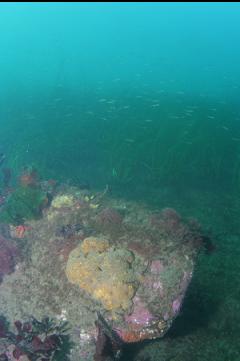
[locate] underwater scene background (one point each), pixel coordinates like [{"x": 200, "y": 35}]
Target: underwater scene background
[{"x": 141, "y": 100}]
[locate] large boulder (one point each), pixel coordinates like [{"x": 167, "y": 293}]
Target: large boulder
[
  {"x": 109, "y": 267},
  {"x": 138, "y": 269}
]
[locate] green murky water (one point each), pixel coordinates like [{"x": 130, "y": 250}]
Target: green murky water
[{"x": 144, "y": 99}]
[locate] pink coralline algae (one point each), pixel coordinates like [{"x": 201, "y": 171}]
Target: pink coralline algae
[
  {"x": 141, "y": 315},
  {"x": 8, "y": 254},
  {"x": 185, "y": 280},
  {"x": 156, "y": 266},
  {"x": 176, "y": 305}
]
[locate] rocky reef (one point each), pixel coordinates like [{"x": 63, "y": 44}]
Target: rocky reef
[{"x": 89, "y": 255}]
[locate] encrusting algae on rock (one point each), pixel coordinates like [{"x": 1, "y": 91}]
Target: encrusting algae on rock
[
  {"x": 104, "y": 271},
  {"x": 63, "y": 200},
  {"x": 62, "y": 208},
  {"x": 129, "y": 263}
]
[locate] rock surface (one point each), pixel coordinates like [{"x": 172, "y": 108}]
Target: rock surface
[{"x": 121, "y": 259}]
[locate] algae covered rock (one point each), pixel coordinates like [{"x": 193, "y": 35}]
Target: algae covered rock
[
  {"x": 120, "y": 260},
  {"x": 63, "y": 200},
  {"x": 25, "y": 203},
  {"x": 140, "y": 273},
  {"x": 8, "y": 256}
]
